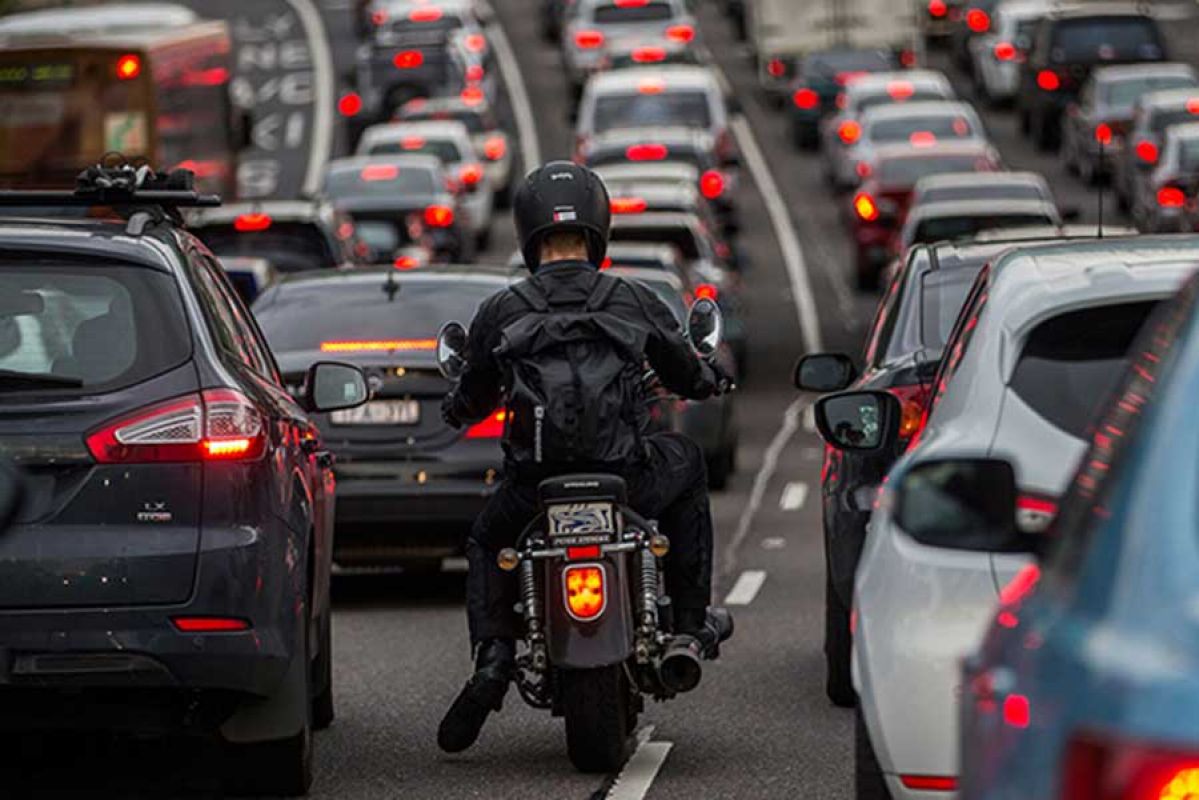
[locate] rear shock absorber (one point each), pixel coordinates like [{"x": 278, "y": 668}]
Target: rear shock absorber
[
  {"x": 531, "y": 605},
  {"x": 648, "y": 602}
]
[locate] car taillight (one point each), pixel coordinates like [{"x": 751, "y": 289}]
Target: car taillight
[
  {"x": 586, "y": 594},
  {"x": 210, "y": 624},
  {"x": 129, "y": 66},
  {"x": 408, "y": 59},
  {"x": 471, "y": 96},
  {"x": 1005, "y": 51},
  {"x": 806, "y": 99},
  {"x": 648, "y": 55},
  {"x": 1035, "y": 512},
  {"x": 646, "y": 152},
  {"x": 776, "y": 67},
  {"x": 923, "y": 139},
  {"x": 680, "y": 33},
  {"x": 1103, "y": 134},
  {"x": 930, "y": 783},
  {"x": 628, "y": 205},
  {"x": 912, "y": 400},
  {"x": 475, "y": 73},
  {"x": 476, "y": 42},
  {"x": 217, "y": 424},
  {"x": 1101, "y": 767},
  {"x": 249, "y": 223},
  {"x": 706, "y": 291},
  {"x": 1049, "y": 80},
  {"x": 425, "y": 14},
  {"x": 1171, "y": 197},
  {"x": 350, "y": 104},
  {"x": 937, "y": 9},
  {"x": 711, "y": 184},
  {"x": 865, "y": 207},
  {"x": 978, "y": 21},
  {"x": 378, "y": 18},
  {"x": 863, "y": 169},
  {"x": 849, "y": 131},
  {"x": 470, "y": 174},
  {"x": 588, "y": 40},
  {"x": 494, "y": 148},
  {"x": 908, "y": 58},
  {"x": 439, "y": 216},
  {"x": 490, "y": 428},
  {"x": 406, "y": 262},
  {"x": 900, "y": 90},
  {"x": 373, "y": 173},
  {"x": 1146, "y": 151}
]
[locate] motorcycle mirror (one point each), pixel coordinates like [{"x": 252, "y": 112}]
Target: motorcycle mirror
[
  {"x": 705, "y": 326},
  {"x": 451, "y": 350}
]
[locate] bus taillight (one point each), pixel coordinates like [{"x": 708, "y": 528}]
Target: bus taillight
[{"x": 129, "y": 66}]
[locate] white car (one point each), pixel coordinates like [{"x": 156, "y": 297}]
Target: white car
[
  {"x": 1036, "y": 348},
  {"x": 451, "y": 143},
  {"x": 592, "y": 24},
  {"x": 961, "y": 219},
  {"x": 998, "y": 56}
]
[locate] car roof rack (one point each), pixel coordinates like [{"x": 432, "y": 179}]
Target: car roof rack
[{"x": 136, "y": 192}]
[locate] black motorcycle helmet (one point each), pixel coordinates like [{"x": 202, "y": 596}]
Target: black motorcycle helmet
[{"x": 561, "y": 196}]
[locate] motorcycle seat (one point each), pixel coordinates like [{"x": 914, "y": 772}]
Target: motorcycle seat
[{"x": 583, "y": 486}]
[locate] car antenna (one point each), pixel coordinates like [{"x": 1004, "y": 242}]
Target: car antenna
[
  {"x": 1104, "y": 135},
  {"x": 391, "y": 288}
]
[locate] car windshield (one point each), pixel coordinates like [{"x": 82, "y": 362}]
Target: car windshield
[
  {"x": 942, "y": 295},
  {"x": 379, "y": 180},
  {"x": 641, "y": 110},
  {"x": 922, "y": 128},
  {"x": 838, "y": 61},
  {"x": 932, "y": 230},
  {"x": 629, "y": 12},
  {"x": 302, "y": 316},
  {"x": 1095, "y": 39},
  {"x": 906, "y": 171},
  {"x": 1123, "y": 94},
  {"x": 289, "y": 246},
  {"x": 86, "y": 328},
  {"x": 983, "y": 191},
  {"x": 446, "y": 150},
  {"x": 1070, "y": 363}
]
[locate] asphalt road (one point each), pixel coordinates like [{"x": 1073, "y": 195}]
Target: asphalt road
[{"x": 759, "y": 725}]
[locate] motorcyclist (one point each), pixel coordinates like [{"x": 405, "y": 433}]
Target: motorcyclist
[{"x": 562, "y": 218}]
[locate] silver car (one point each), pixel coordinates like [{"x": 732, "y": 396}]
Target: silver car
[{"x": 592, "y": 24}]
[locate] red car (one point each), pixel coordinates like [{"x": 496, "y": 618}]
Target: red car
[{"x": 878, "y": 208}]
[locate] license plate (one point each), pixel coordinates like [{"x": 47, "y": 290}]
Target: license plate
[
  {"x": 379, "y": 412},
  {"x": 583, "y": 523}
]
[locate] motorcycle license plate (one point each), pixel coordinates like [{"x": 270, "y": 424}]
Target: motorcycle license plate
[
  {"x": 581, "y": 523},
  {"x": 379, "y": 412}
]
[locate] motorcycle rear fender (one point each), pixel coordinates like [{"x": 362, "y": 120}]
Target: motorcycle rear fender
[{"x": 608, "y": 639}]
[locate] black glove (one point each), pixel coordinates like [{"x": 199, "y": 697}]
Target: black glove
[
  {"x": 447, "y": 411},
  {"x": 721, "y": 380}
]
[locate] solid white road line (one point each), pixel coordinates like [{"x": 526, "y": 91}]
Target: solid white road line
[
  {"x": 793, "y": 497},
  {"x": 322, "y": 70},
  {"x": 746, "y": 588},
  {"x": 530, "y": 148},
  {"x": 639, "y": 771}
]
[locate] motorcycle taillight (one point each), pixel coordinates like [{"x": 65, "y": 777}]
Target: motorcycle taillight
[{"x": 585, "y": 592}]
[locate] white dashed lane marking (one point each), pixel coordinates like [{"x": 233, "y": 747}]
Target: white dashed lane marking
[
  {"x": 746, "y": 588},
  {"x": 793, "y": 497}
]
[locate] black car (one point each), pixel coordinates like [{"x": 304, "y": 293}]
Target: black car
[
  {"x": 903, "y": 349},
  {"x": 408, "y": 485},
  {"x": 1069, "y": 42},
  {"x": 169, "y": 569},
  {"x": 820, "y": 78}
]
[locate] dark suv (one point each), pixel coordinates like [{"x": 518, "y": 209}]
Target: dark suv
[
  {"x": 169, "y": 570},
  {"x": 1068, "y": 43}
]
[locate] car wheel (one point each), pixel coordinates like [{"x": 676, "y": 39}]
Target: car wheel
[
  {"x": 1048, "y": 139},
  {"x": 868, "y": 782},
  {"x": 322, "y": 678},
  {"x": 838, "y": 644}
]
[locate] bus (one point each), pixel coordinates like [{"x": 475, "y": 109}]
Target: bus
[{"x": 148, "y": 81}]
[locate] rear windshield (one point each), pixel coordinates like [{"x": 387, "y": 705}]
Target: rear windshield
[
  {"x": 1166, "y": 117},
  {"x": 419, "y": 30},
  {"x": 849, "y": 61},
  {"x": 682, "y": 238},
  {"x": 446, "y": 150},
  {"x": 289, "y": 246},
  {"x": 621, "y": 155},
  {"x": 88, "y": 328},
  {"x": 640, "y": 110},
  {"x": 474, "y": 122},
  {"x": 932, "y": 230},
  {"x": 923, "y": 126},
  {"x": 1071, "y": 363},
  {"x": 883, "y": 99},
  {"x": 300, "y": 317},
  {"x": 942, "y": 295},
  {"x": 378, "y": 180},
  {"x": 898, "y": 172},
  {"x": 1124, "y": 93},
  {"x": 632, "y": 12},
  {"x": 1094, "y": 39},
  {"x": 1002, "y": 191}
]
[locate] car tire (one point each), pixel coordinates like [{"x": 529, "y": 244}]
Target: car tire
[
  {"x": 323, "y": 710},
  {"x": 1025, "y": 123},
  {"x": 838, "y": 646},
  {"x": 1047, "y": 139},
  {"x": 805, "y": 139},
  {"x": 868, "y": 780}
]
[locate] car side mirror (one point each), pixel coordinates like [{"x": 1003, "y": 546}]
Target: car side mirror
[
  {"x": 961, "y": 504},
  {"x": 824, "y": 372},
  {"x": 12, "y": 494},
  {"x": 332, "y": 386},
  {"x": 866, "y": 422}
]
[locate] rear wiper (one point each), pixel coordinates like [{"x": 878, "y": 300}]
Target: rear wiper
[{"x": 12, "y": 381}]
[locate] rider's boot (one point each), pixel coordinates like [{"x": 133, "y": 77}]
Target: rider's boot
[
  {"x": 709, "y": 626},
  {"x": 495, "y": 665}
]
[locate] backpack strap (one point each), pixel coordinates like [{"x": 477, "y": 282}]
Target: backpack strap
[
  {"x": 532, "y": 295},
  {"x": 601, "y": 291}
]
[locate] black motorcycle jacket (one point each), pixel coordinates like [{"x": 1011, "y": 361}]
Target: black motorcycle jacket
[{"x": 480, "y": 390}]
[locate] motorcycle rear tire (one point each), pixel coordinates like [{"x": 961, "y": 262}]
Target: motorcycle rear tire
[{"x": 595, "y": 704}]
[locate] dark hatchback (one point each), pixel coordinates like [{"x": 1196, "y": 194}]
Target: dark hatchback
[
  {"x": 903, "y": 350},
  {"x": 408, "y": 485},
  {"x": 169, "y": 571},
  {"x": 820, "y": 80}
]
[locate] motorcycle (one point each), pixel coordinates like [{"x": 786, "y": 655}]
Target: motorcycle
[{"x": 598, "y": 625}]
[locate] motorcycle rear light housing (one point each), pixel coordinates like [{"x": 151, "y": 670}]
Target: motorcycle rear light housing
[
  {"x": 215, "y": 425},
  {"x": 865, "y": 207},
  {"x": 585, "y": 591}
]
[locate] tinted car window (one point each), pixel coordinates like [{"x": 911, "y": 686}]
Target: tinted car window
[
  {"x": 302, "y": 316},
  {"x": 906, "y": 171},
  {"x": 289, "y": 246},
  {"x": 1105, "y": 39},
  {"x": 1007, "y": 191},
  {"x": 378, "y": 180},
  {"x": 932, "y": 230},
  {"x": 1071, "y": 363},
  {"x": 650, "y": 12},
  {"x": 942, "y": 126},
  {"x": 420, "y": 29},
  {"x": 647, "y": 110},
  {"x": 87, "y": 328}
]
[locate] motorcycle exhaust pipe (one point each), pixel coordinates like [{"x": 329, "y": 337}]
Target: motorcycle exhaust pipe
[{"x": 680, "y": 670}]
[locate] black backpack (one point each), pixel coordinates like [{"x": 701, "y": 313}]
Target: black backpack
[{"x": 572, "y": 380}]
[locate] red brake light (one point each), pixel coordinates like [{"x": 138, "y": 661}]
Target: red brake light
[
  {"x": 494, "y": 148},
  {"x": 1048, "y": 80},
  {"x": 1171, "y": 197},
  {"x": 246, "y": 223},
  {"x": 1100, "y": 768},
  {"x": 475, "y": 42},
  {"x": 937, "y": 8},
  {"x": 923, "y": 139},
  {"x": 651, "y": 87},
  {"x": 474, "y": 73},
  {"x": 209, "y": 624},
  {"x": 863, "y": 169},
  {"x": 628, "y": 205},
  {"x": 646, "y": 152},
  {"x": 711, "y": 184},
  {"x": 930, "y": 783},
  {"x": 583, "y": 552},
  {"x": 1005, "y": 51},
  {"x": 1020, "y": 586},
  {"x": 408, "y": 59},
  {"x": 350, "y": 104},
  {"x": 585, "y": 593},
  {"x": 471, "y": 174},
  {"x": 439, "y": 216},
  {"x": 978, "y": 20},
  {"x": 849, "y": 131},
  {"x": 588, "y": 40},
  {"x": 900, "y": 90},
  {"x": 706, "y": 291},
  {"x": 1016, "y": 711},
  {"x": 406, "y": 262},
  {"x": 806, "y": 99},
  {"x": 378, "y": 18},
  {"x": 1192, "y": 105},
  {"x": 372, "y": 173},
  {"x": 1147, "y": 152},
  {"x": 648, "y": 55},
  {"x": 1103, "y": 133},
  {"x": 129, "y": 66},
  {"x": 425, "y": 14},
  {"x": 776, "y": 67},
  {"x": 865, "y": 207},
  {"x": 490, "y": 428},
  {"x": 471, "y": 95},
  {"x": 630, "y": 3},
  {"x": 412, "y": 143},
  {"x": 680, "y": 33},
  {"x": 907, "y": 58}
]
